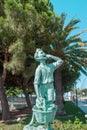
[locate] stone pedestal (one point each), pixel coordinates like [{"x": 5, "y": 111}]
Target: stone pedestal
[
  {"x": 42, "y": 117},
  {"x": 27, "y": 127}
]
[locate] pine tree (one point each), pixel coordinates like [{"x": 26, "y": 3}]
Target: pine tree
[{"x": 23, "y": 27}]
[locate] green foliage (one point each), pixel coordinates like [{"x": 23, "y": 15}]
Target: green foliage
[
  {"x": 1, "y": 8},
  {"x": 13, "y": 91},
  {"x": 71, "y": 109},
  {"x": 77, "y": 125},
  {"x": 17, "y": 61},
  {"x": 74, "y": 120}
]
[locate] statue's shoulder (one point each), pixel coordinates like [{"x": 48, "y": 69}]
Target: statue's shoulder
[{"x": 38, "y": 68}]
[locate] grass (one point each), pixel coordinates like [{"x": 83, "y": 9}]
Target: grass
[
  {"x": 74, "y": 111},
  {"x": 76, "y": 120}
]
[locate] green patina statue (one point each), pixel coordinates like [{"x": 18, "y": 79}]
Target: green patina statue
[{"x": 45, "y": 109}]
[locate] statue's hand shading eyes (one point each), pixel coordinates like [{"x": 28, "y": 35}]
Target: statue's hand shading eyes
[{"x": 48, "y": 56}]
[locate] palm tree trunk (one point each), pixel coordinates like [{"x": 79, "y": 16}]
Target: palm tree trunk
[
  {"x": 59, "y": 92},
  {"x": 3, "y": 97}
]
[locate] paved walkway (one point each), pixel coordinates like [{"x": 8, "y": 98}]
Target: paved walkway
[{"x": 82, "y": 104}]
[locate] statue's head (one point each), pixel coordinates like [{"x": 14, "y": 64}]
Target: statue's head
[{"x": 39, "y": 55}]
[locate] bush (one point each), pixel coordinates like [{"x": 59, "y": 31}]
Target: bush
[{"x": 69, "y": 125}]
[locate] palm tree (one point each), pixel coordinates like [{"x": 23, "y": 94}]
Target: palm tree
[{"x": 73, "y": 50}]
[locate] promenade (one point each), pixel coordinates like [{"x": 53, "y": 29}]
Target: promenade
[
  {"x": 82, "y": 104},
  {"x": 17, "y": 102}
]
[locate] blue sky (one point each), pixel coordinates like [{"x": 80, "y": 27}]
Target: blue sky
[{"x": 78, "y": 10}]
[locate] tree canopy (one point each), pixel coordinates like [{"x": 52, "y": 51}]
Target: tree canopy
[{"x": 26, "y": 25}]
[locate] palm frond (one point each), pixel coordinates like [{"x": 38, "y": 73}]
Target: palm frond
[
  {"x": 75, "y": 38},
  {"x": 76, "y": 49},
  {"x": 71, "y": 24},
  {"x": 70, "y": 27},
  {"x": 61, "y": 23},
  {"x": 82, "y": 68}
]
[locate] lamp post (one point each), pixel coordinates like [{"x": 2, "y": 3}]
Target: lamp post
[{"x": 76, "y": 98}]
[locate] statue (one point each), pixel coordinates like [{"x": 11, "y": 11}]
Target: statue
[{"x": 45, "y": 109}]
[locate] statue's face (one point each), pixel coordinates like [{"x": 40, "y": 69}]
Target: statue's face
[{"x": 41, "y": 54}]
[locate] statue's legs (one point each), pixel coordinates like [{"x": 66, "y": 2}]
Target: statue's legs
[
  {"x": 32, "y": 119},
  {"x": 48, "y": 126}
]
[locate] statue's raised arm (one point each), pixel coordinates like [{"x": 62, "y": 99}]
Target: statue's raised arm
[{"x": 58, "y": 60}]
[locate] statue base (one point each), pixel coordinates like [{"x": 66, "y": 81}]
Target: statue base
[
  {"x": 28, "y": 127},
  {"x": 42, "y": 117}
]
